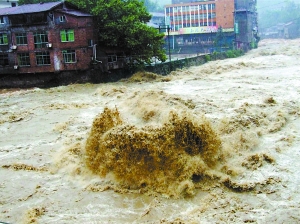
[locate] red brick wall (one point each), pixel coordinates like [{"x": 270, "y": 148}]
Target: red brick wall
[
  {"x": 83, "y": 31},
  {"x": 224, "y": 11}
]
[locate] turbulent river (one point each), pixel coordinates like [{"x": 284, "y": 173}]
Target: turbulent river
[{"x": 217, "y": 143}]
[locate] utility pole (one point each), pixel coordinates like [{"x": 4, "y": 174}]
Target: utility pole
[{"x": 167, "y": 27}]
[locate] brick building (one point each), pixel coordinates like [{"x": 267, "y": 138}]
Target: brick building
[
  {"x": 45, "y": 37},
  {"x": 197, "y": 23},
  {"x": 246, "y": 25}
]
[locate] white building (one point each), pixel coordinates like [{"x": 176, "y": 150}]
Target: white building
[{"x": 8, "y": 3}]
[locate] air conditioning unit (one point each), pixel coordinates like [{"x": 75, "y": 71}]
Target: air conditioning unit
[
  {"x": 16, "y": 67},
  {"x": 14, "y": 47},
  {"x": 49, "y": 45}
]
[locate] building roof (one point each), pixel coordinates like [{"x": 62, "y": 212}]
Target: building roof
[
  {"x": 157, "y": 14},
  {"x": 39, "y": 7},
  {"x": 29, "y": 8},
  {"x": 152, "y": 25},
  {"x": 77, "y": 13}
]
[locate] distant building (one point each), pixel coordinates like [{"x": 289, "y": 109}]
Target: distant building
[
  {"x": 158, "y": 19},
  {"x": 291, "y": 30},
  {"x": 246, "y": 25},
  {"x": 274, "y": 31},
  {"x": 201, "y": 23},
  {"x": 288, "y": 30},
  {"x": 8, "y": 3},
  {"x": 197, "y": 23}
]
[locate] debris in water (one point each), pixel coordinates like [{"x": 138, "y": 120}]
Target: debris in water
[
  {"x": 20, "y": 166},
  {"x": 33, "y": 214}
]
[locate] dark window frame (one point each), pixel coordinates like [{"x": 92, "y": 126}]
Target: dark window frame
[
  {"x": 21, "y": 38},
  {"x": 43, "y": 58},
  {"x": 40, "y": 39},
  {"x": 3, "y": 39},
  {"x": 24, "y": 59},
  {"x": 69, "y": 56},
  {"x": 4, "y": 59},
  {"x": 112, "y": 58}
]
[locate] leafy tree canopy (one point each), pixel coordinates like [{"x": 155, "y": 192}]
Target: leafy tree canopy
[{"x": 122, "y": 24}]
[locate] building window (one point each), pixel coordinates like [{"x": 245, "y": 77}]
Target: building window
[
  {"x": 1, "y": 19},
  {"x": 62, "y": 19},
  {"x": 112, "y": 58},
  {"x": 21, "y": 38},
  {"x": 42, "y": 58},
  {"x": 3, "y": 39},
  {"x": 69, "y": 56},
  {"x": 3, "y": 59},
  {"x": 23, "y": 59},
  {"x": 40, "y": 39},
  {"x": 90, "y": 42},
  {"x": 67, "y": 35}
]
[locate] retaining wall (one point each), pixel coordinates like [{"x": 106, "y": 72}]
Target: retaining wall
[{"x": 46, "y": 80}]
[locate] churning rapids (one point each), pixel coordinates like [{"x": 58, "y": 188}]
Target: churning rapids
[{"x": 217, "y": 143}]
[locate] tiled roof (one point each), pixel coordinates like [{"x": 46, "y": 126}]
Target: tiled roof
[
  {"x": 77, "y": 13},
  {"x": 39, "y": 7},
  {"x": 29, "y": 8}
]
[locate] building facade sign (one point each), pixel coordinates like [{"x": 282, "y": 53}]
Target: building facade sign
[{"x": 199, "y": 30}]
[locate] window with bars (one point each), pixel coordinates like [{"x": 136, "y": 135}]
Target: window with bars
[
  {"x": 67, "y": 35},
  {"x": 23, "y": 59},
  {"x": 69, "y": 56},
  {"x": 3, "y": 39},
  {"x": 21, "y": 38},
  {"x": 42, "y": 58},
  {"x": 3, "y": 59},
  {"x": 40, "y": 39}
]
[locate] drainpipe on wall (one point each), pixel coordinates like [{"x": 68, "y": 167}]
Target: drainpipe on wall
[{"x": 95, "y": 54}]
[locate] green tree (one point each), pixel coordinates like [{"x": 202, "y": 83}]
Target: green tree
[{"x": 123, "y": 24}]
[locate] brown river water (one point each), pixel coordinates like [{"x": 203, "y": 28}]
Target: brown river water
[{"x": 217, "y": 143}]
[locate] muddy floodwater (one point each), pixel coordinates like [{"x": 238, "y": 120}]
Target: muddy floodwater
[{"x": 217, "y": 143}]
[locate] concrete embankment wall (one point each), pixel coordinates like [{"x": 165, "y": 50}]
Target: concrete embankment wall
[
  {"x": 166, "y": 67},
  {"x": 46, "y": 80}
]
